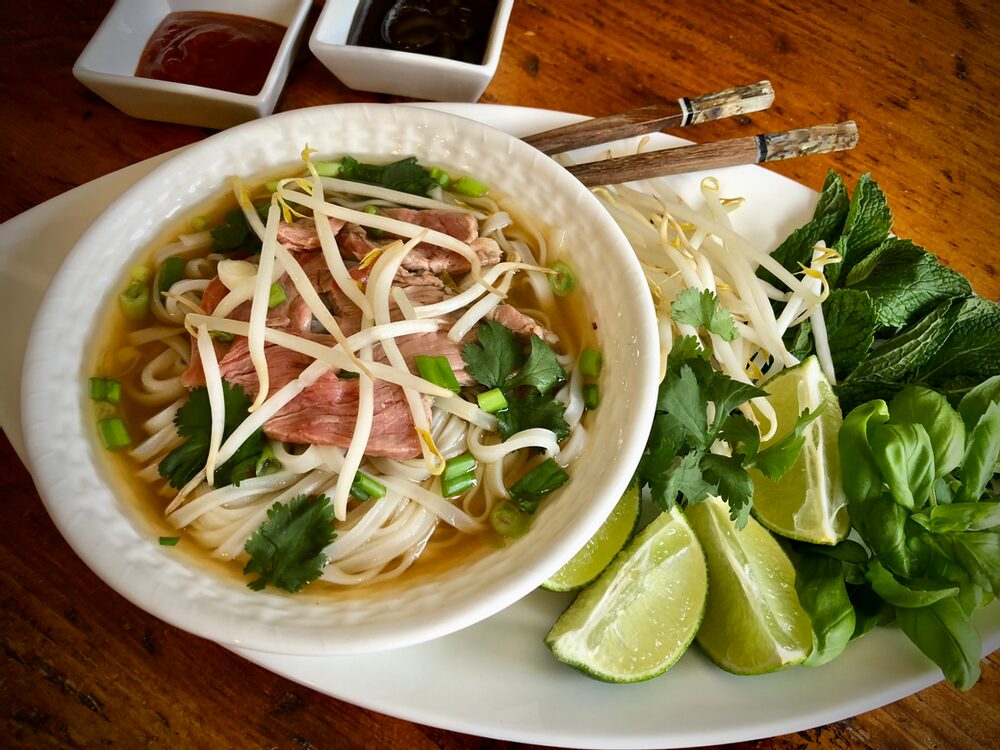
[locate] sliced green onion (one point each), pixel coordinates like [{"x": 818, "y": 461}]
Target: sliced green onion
[
  {"x": 267, "y": 462},
  {"x": 591, "y": 361},
  {"x": 509, "y": 520},
  {"x": 277, "y": 295},
  {"x": 348, "y": 375},
  {"x": 169, "y": 541},
  {"x": 221, "y": 336},
  {"x": 563, "y": 281},
  {"x": 171, "y": 272},
  {"x": 198, "y": 223},
  {"x": 468, "y": 186},
  {"x": 114, "y": 434},
  {"x": 364, "y": 487},
  {"x": 492, "y": 401},
  {"x": 245, "y": 469},
  {"x": 458, "y": 465},
  {"x": 459, "y": 484},
  {"x": 540, "y": 481},
  {"x": 438, "y": 371},
  {"x": 271, "y": 187},
  {"x": 140, "y": 273},
  {"x": 439, "y": 176},
  {"x": 373, "y": 211},
  {"x": 327, "y": 168},
  {"x": 106, "y": 389},
  {"x": 134, "y": 301},
  {"x": 591, "y": 396}
]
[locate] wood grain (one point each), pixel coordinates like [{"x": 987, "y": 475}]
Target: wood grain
[{"x": 82, "y": 667}]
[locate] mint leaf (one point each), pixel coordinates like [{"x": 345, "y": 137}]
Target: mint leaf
[
  {"x": 541, "y": 371},
  {"x": 701, "y": 309},
  {"x": 850, "y": 328},
  {"x": 866, "y": 227},
  {"x": 533, "y": 410},
  {"x": 833, "y": 197},
  {"x": 287, "y": 550},
  {"x": 495, "y": 357},
  {"x": 971, "y": 351},
  {"x": 903, "y": 281}
]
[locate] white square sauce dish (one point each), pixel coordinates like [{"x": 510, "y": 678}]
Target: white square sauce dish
[
  {"x": 436, "y": 50},
  {"x": 226, "y": 54}
]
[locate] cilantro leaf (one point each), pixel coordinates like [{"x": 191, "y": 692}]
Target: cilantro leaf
[
  {"x": 286, "y": 551},
  {"x": 234, "y": 233},
  {"x": 495, "y": 357},
  {"x": 741, "y": 434},
  {"x": 701, "y": 309},
  {"x": 778, "y": 457},
  {"x": 734, "y": 484},
  {"x": 683, "y": 399},
  {"x": 405, "y": 175},
  {"x": 542, "y": 370},
  {"x": 194, "y": 422},
  {"x": 534, "y": 410}
]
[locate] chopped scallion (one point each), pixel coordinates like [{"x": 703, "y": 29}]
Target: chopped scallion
[
  {"x": 591, "y": 396},
  {"x": 563, "y": 281},
  {"x": 113, "y": 433},
  {"x": 373, "y": 211},
  {"x": 198, "y": 223},
  {"x": 267, "y": 462},
  {"x": 591, "y": 362},
  {"x": 171, "y": 272},
  {"x": 277, "y": 295},
  {"x": 543, "y": 479},
  {"x": 221, "y": 336},
  {"x": 439, "y": 176},
  {"x": 134, "y": 301},
  {"x": 348, "y": 375},
  {"x": 169, "y": 541},
  {"x": 458, "y": 465},
  {"x": 106, "y": 389},
  {"x": 140, "y": 273},
  {"x": 458, "y": 484},
  {"x": 245, "y": 469},
  {"x": 509, "y": 520},
  {"x": 271, "y": 187},
  {"x": 364, "y": 487},
  {"x": 438, "y": 371},
  {"x": 327, "y": 168},
  {"x": 492, "y": 401},
  {"x": 468, "y": 186}
]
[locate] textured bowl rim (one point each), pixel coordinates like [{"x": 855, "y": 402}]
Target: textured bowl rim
[{"x": 69, "y": 472}]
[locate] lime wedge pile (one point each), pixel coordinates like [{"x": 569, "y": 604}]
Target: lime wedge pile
[
  {"x": 643, "y": 611},
  {"x": 598, "y": 553},
  {"x": 753, "y": 622},
  {"x": 808, "y": 502}
]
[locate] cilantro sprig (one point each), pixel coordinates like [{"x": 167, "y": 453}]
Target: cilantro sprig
[
  {"x": 286, "y": 551},
  {"x": 527, "y": 380},
  {"x": 678, "y": 464},
  {"x": 194, "y": 422}
]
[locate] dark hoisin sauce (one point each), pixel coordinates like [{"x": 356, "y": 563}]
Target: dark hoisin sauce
[{"x": 455, "y": 29}]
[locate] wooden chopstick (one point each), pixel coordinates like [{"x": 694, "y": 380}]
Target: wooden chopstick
[
  {"x": 754, "y": 149},
  {"x": 679, "y": 114}
]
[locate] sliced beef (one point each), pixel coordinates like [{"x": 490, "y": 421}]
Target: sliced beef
[
  {"x": 301, "y": 235},
  {"x": 517, "y": 321}
]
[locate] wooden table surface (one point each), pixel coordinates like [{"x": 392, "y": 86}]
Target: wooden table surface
[{"x": 83, "y": 667}]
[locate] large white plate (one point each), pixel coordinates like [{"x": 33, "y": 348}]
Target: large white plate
[{"x": 496, "y": 678}]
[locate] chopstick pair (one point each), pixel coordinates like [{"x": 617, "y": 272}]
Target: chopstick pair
[{"x": 754, "y": 149}]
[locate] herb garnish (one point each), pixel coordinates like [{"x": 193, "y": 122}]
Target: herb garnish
[
  {"x": 287, "y": 550},
  {"x": 405, "y": 175},
  {"x": 194, "y": 422},
  {"x": 678, "y": 460},
  {"x": 527, "y": 381}
]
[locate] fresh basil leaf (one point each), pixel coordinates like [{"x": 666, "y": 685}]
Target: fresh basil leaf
[
  {"x": 905, "y": 459},
  {"x": 863, "y": 480},
  {"x": 887, "y": 586},
  {"x": 930, "y": 410},
  {"x": 978, "y": 552},
  {"x": 942, "y": 519},
  {"x": 870, "y": 609},
  {"x": 819, "y": 582},
  {"x": 981, "y": 456},
  {"x": 903, "y": 281},
  {"x": 881, "y": 522},
  {"x": 974, "y": 403},
  {"x": 847, "y": 551},
  {"x": 944, "y": 633}
]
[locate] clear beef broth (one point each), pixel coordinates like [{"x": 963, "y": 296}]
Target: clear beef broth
[{"x": 453, "y": 29}]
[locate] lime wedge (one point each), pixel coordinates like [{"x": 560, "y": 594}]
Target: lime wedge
[
  {"x": 643, "y": 611},
  {"x": 598, "y": 553},
  {"x": 753, "y": 622},
  {"x": 808, "y": 502}
]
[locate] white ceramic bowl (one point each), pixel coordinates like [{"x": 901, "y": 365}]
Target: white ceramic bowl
[
  {"x": 107, "y": 64},
  {"x": 403, "y": 73},
  {"x": 72, "y": 472}
]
